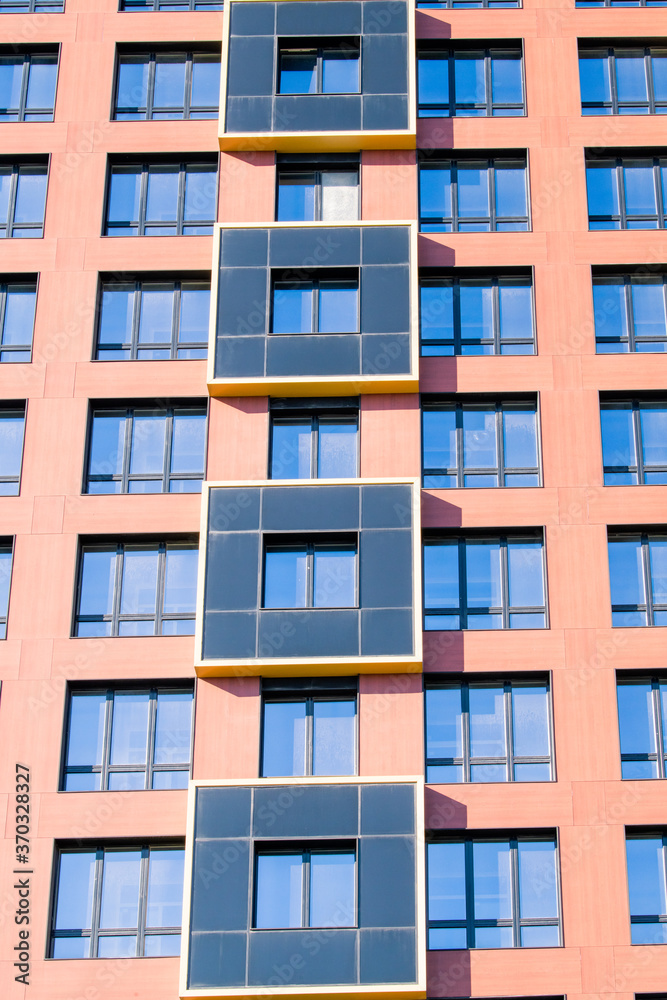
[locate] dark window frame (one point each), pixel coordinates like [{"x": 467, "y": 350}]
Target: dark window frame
[
  {"x": 140, "y": 225},
  {"x": 309, "y": 698},
  {"x": 618, "y": 163},
  {"x": 451, "y": 224},
  {"x": 133, "y": 345},
  {"x": 628, "y": 280},
  {"x": 468, "y": 4},
  {"x": 516, "y": 922},
  {"x": 508, "y": 684},
  {"x": 106, "y": 768},
  {"x": 454, "y": 108},
  {"x": 94, "y": 933},
  {"x": 317, "y": 46},
  {"x": 613, "y": 106},
  {"x": 649, "y": 606},
  {"x": 333, "y": 416},
  {"x": 125, "y": 477},
  {"x": 186, "y": 112},
  {"x": 307, "y": 849},
  {"x": 115, "y": 618},
  {"x": 290, "y": 542},
  {"x": 33, "y": 168},
  {"x": 28, "y": 57},
  {"x": 501, "y": 470},
  {"x": 660, "y": 754}
]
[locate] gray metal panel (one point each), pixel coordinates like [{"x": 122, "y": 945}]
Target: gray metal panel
[
  {"x": 233, "y": 508},
  {"x": 387, "y": 809},
  {"x": 319, "y": 354},
  {"x": 246, "y": 247},
  {"x": 252, "y": 18},
  {"x": 232, "y": 568},
  {"x": 250, "y": 70},
  {"x": 382, "y": 17},
  {"x": 385, "y": 570},
  {"x": 322, "y": 957},
  {"x": 249, "y": 114},
  {"x": 384, "y": 62},
  {"x": 385, "y": 299},
  {"x": 385, "y": 354},
  {"x": 217, "y": 960},
  {"x": 316, "y": 112},
  {"x": 385, "y": 111},
  {"x": 221, "y": 885},
  {"x": 309, "y": 633},
  {"x": 387, "y": 956},
  {"x": 222, "y": 812},
  {"x": 229, "y": 633},
  {"x": 385, "y": 245},
  {"x": 323, "y": 246},
  {"x": 319, "y": 18},
  {"x": 386, "y": 506},
  {"x": 242, "y": 301},
  {"x": 310, "y": 508},
  {"x": 306, "y": 811},
  {"x": 387, "y": 901},
  {"x": 386, "y": 632},
  {"x": 239, "y": 357}
]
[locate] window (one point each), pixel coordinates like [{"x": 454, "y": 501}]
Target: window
[
  {"x": 621, "y": 3},
  {"x": 315, "y": 69},
  {"x": 480, "y": 444},
  {"x": 22, "y": 199},
  {"x": 153, "y": 320},
  {"x": 470, "y": 82},
  {"x": 118, "y": 902},
  {"x": 326, "y": 194},
  {"x": 634, "y": 442},
  {"x": 465, "y": 4},
  {"x": 171, "y": 5},
  {"x": 318, "y": 445},
  {"x": 326, "y": 304},
  {"x": 630, "y": 313},
  {"x": 28, "y": 87},
  {"x": 12, "y": 423},
  {"x": 305, "y": 888},
  {"x": 122, "y": 740},
  {"x": 623, "y": 81},
  {"x": 488, "y": 731},
  {"x": 17, "y": 319},
  {"x": 6, "y": 557},
  {"x": 625, "y": 193},
  {"x": 137, "y": 589},
  {"x": 138, "y": 450},
  {"x": 647, "y": 887},
  {"x": 642, "y": 721},
  {"x": 493, "y": 892},
  {"x": 311, "y": 574},
  {"x": 304, "y": 734},
  {"x": 166, "y": 85},
  {"x": 638, "y": 578},
  {"x": 161, "y": 199},
  {"x": 484, "y": 583},
  {"x": 473, "y": 196},
  {"x": 477, "y": 315},
  {"x": 32, "y": 6}
]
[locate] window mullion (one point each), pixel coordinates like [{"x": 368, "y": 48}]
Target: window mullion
[
  {"x": 150, "y": 85},
  {"x": 470, "y": 893},
  {"x": 620, "y": 182},
  {"x": 96, "y": 908},
  {"x": 310, "y": 735},
  {"x": 314, "y": 447},
  {"x": 150, "y": 746},
  {"x": 451, "y": 79},
  {"x": 317, "y": 195},
  {"x": 143, "y": 200},
  {"x": 118, "y": 586},
  {"x": 463, "y": 585},
  {"x": 630, "y": 312},
  {"x": 465, "y": 725},
  {"x": 127, "y": 451},
  {"x": 648, "y": 589},
  {"x": 13, "y": 194},
  {"x": 455, "y": 195},
  {"x": 658, "y": 191},
  {"x": 516, "y": 894},
  {"x": 180, "y": 218},
  {"x": 504, "y": 582},
  {"x": 488, "y": 83},
  {"x": 315, "y": 306},
  {"x": 639, "y": 445},
  {"x": 310, "y": 575},
  {"x": 613, "y": 85},
  {"x": 460, "y": 469},
  {"x": 657, "y": 726},
  {"x": 143, "y": 901},
  {"x": 648, "y": 68},
  {"x": 170, "y": 426},
  {"x": 187, "y": 97},
  {"x": 456, "y": 296},
  {"x": 495, "y": 315},
  {"x": 509, "y": 730},
  {"x": 500, "y": 450},
  {"x": 305, "y": 889},
  {"x": 159, "y": 596},
  {"x": 23, "y": 98},
  {"x": 106, "y": 743},
  {"x": 491, "y": 188},
  {"x": 136, "y": 320},
  {"x": 175, "y": 318}
]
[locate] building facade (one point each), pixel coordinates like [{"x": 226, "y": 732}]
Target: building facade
[{"x": 333, "y": 545}]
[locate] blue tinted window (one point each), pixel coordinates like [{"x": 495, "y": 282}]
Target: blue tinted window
[
  {"x": 467, "y": 4},
  {"x": 28, "y": 87},
  {"x": 470, "y": 83},
  {"x": 310, "y": 575},
  {"x": 170, "y": 5},
  {"x": 30, "y": 6},
  {"x": 114, "y": 902},
  {"x": 638, "y": 579},
  {"x": 318, "y": 306},
  {"x": 646, "y": 888},
  {"x": 162, "y": 199},
  {"x": 309, "y": 736},
  {"x": 314, "y": 447},
  {"x": 481, "y": 583},
  {"x": 467, "y": 444},
  {"x": 467, "y": 727},
  {"x": 642, "y": 720},
  {"x": 329, "y": 195},
  {"x": 12, "y": 423},
  {"x": 137, "y": 589},
  {"x": 22, "y": 200},
  {"x": 634, "y": 443},
  {"x": 151, "y": 321},
  {"x": 473, "y": 196},
  {"x": 167, "y": 86},
  {"x": 616, "y": 81},
  {"x": 6, "y": 557},
  {"x": 630, "y": 314},
  {"x": 320, "y": 70},
  {"x": 495, "y": 892},
  {"x": 305, "y": 889},
  {"x": 626, "y": 193}
]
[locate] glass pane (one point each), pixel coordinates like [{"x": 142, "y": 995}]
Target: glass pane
[
  {"x": 284, "y": 739},
  {"x": 479, "y": 439},
  {"x": 473, "y": 192},
  {"x": 117, "y": 946},
  {"x": 659, "y": 70},
  {"x": 492, "y": 880},
  {"x": 334, "y": 578},
  {"x": 337, "y": 450},
  {"x": 340, "y": 72},
  {"x": 169, "y": 81},
  {"x": 19, "y": 316},
  {"x": 75, "y": 890},
  {"x": 139, "y": 581},
  {"x": 162, "y": 945},
  {"x": 338, "y": 312},
  {"x": 162, "y": 198},
  {"x": 30, "y": 196},
  {"x": 5, "y": 188},
  {"x": 11, "y": 76},
  {"x": 540, "y": 937},
  {"x": 476, "y": 302},
  {"x": 71, "y": 947},
  {"x": 205, "y": 81},
  {"x": 488, "y": 773},
  {"x": 148, "y": 443},
  {"x": 520, "y": 439},
  {"x": 648, "y": 308},
  {"x": 116, "y": 315},
  {"x": 537, "y": 879},
  {"x": 200, "y": 195},
  {"x": 493, "y": 937},
  {"x": 444, "y": 774},
  {"x": 658, "y": 559},
  {"x": 602, "y": 184},
  {"x": 446, "y": 882},
  {"x": 439, "y": 439},
  {"x": 483, "y": 575},
  {"x": 296, "y": 197},
  {"x": 195, "y": 304},
  {"x": 506, "y": 80},
  {"x": 444, "y": 723},
  {"x": 516, "y": 311},
  {"x": 292, "y": 308},
  {"x": 298, "y": 73},
  {"x": 279, "y": 890},
  {"x": 120, "y": 889},
  {"x": 433, "y": 78},
  {"x": 511, "y": 191},
  {"x": 285, "y": 578},
  {"x": 530, "y": 721},
  {"x": 437, "y": 312},
  {"x": 156, "y": 315},
  {"x": 332, "y": 890},
  {"x": 11, "y": 443},
  {"x": 124, "y": 192},
  {"x": 469, "y": 78},
  {"x": 107, "y": 444},
  {"x": 170, "y": 779},
  {"x": 653, "y": 933},
  {"x": 334, "y": 726},
  {"x": 639, "y": 770},
  {"x": 435, "y": 193},
  {"x": 42, "y": 83},
  {"x": 447, "y": 938},
  {"x": 654, "y": 434},
  {"x": 340, "y": 195},
  {"x": 132, "y": 82},
  {"x": 631, "y": 77},
  {"x": 618, "y": 437},
  {"x": 188, "y": 443},
  {"x": 180, "y": 580},
  {"x": 127, "y": 781},
  {"x": 487, "y": 722},
  {"x": 646, "y": 876},
  {"x": 165, "y": 888},
  {"x": 97, "y": 582},
  {"x": 635, "y": 718},
  {"x": 594, "y": 78},
  {"x": 640, "y": 193},
  {"x": 532, "y": 772},
  {"x": 130, "y": 728},
  {"x": 85, "y": 731},
  {"x": 441, "y": 576},
  {"x": 526, "y": 576},
  {"x": 291, "y": 446}
]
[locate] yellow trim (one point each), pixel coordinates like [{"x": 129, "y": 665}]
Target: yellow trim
[
  {"x": 370, "y": 991},
  {"x": 325, "y": 385},
  {"x": 335, "y": 141},
  {"x": 297, "y": 666}
]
